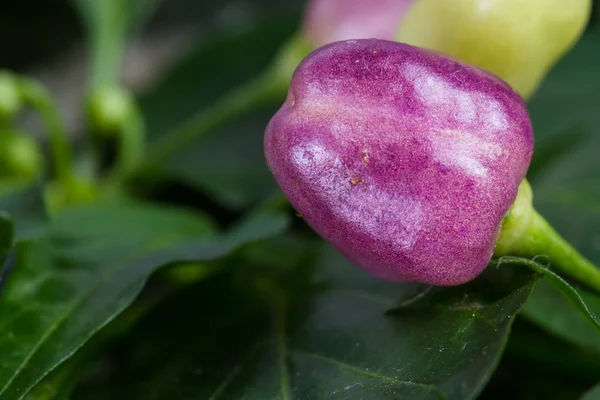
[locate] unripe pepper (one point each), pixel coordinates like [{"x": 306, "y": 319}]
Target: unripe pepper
[
  {"x": 108, "y": 109},
  {"x": 404, "y": 159},
  {"x": 518, "y": 40},
  {"x": 79, "y": 191},
  {"x": 113, "y": 116},
  {"x": 20, "y": 156},
  {"x": 11, "y": 101}
]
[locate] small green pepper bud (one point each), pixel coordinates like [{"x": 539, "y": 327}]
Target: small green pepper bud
[
  {"x": 20, "y": 156},
  {"x": 109, "y": 109},
  {"x": 11, "y": 101},
  {"x": 114, "y": 119},
  {"x": 77, "y": 190}
]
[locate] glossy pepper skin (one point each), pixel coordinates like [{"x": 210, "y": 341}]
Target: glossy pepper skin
[
  {"x": 328, "y": 21},
  {"x": 518, "y": 40},
  {"x": 404, "y": 159}
]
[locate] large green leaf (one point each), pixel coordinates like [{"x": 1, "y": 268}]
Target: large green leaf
[
  {"x": 592, "y": 394},
  {"x": 569, "y": 95},
  {"x": 540, "y": 366},
  {"x": 25, "y": 206},
  {"x": 565, "y": 176},
  {"x": 561, "y": 285},
  {"x": 559, "y": 314},
  {"x": 60, "y": 383},
  {"x": 554, "y": 313},
  {"x": 89, "y": 266},
  {"x": 346, "y": 335},
  {"x": 227, "y": 163},
  {"x": 565, "y": 119}
]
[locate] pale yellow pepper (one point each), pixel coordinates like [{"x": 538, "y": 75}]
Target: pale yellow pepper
[{"x": 518, "y": 40}]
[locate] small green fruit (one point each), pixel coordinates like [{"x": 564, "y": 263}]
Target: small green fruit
[
  {"x": 76, "y": 191},
  {"x": 108, "y": 109},
  {"x": 11, "y": 101},
  {"x": 20, "y": 156}
]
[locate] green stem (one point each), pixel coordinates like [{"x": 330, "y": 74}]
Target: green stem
[
  {"x": 131, "y": 146},
  {"x": 249, "y": 97},
  {"x": 541, "y": 240},
  {"x": 38, "y": 97},
  {"x": 268, "y": 87},
  {"x": 108, "y": 42}
]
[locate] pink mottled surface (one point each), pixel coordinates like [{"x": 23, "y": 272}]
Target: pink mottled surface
[
  {"x": 328, "y": 21},
  {"x": 404, "y": 159}
]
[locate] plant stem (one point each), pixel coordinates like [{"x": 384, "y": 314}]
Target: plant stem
[
  {"x": 269, "y": 86},
  {"x": 249, "y": 97},
  {"x": 541, "y": 240},
  {"x": 131, "y": 147},
  {"x": 39, "y": 98},
  {"x": 108, "y": 42}
]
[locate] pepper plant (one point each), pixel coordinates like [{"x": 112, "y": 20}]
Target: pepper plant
[{"x": 357, "y": 201}]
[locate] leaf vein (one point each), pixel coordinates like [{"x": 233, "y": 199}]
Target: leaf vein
[
  {"x": 359, "y": 371},
  {"x": 237, "y": 368},
  {"x": 62, "y": 318}
]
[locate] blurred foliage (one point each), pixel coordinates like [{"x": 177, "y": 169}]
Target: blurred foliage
[
  {"x": 213, "y": 164},
  {"x": 592, "y": 394},
  {"x": 565, "y": 175}
]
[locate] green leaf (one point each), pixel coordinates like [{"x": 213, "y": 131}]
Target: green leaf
[
  {"x": 228, "y": 163},
  {"x": 108, "y": 23},
  {"x": 569, "y": 94},
  {"x": 565, "y": 175},
  {"x": 60, "y": 383},
  {"x": 564, "y": 115},
  {"x": 342, "y": 335},
  {"x": 539, "y": 355},
  {"x": 569, "y": 293},
  {"x": 25, "y": 206},
  {"x": 592, "y": 394},
  {"x": 558, "y": 316},
  {"x": 213, "y": 69},
  {"x": 90, "y": 265},
  {"x": 549, "y": 310}
]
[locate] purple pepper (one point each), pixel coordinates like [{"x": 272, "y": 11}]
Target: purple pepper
[
  {"x": 328, "y": 21},
  {"x": 404, "y": 159}
]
